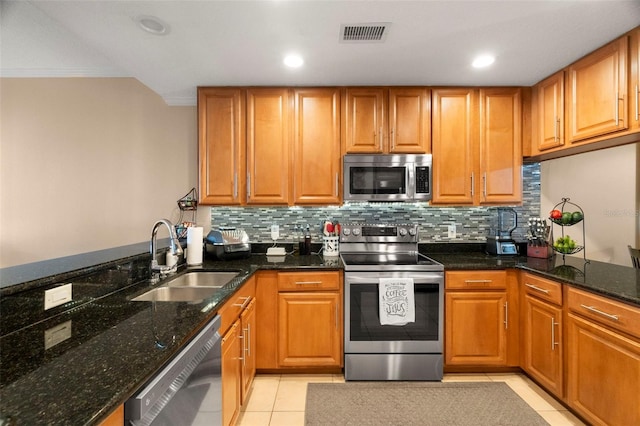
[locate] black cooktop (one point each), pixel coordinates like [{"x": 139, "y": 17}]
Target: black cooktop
[{"x": 387, "y": 261}]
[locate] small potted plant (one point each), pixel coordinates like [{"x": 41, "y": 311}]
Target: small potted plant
[{"x": 538, "y": 238}]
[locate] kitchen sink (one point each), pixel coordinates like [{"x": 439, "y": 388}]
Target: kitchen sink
[
  {"x": 202, "y": 279},
  {"x": 189, "y": 287},
  {"x": 176, "y": 294}
]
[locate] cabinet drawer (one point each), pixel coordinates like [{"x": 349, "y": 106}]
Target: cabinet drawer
[
  {"x": 542, "y": 288},
  {"x": 620, "y": 316},
  {"x": 232, "y": 308},
  {"x": 310, "y": 281},
  {"x": 464, "y": 280}
]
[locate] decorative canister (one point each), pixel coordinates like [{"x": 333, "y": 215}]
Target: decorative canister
[{"x": 331, "y": 246}]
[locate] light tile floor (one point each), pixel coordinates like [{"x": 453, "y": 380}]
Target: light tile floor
[{"x": 278, "y": 400}]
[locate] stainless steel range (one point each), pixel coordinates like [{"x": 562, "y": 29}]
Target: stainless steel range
[{"x": 394, "y": 300}]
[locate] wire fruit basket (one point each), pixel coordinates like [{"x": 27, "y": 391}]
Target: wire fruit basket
[{"x": 188, "y": 203}]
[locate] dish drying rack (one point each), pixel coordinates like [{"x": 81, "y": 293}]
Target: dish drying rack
[{"x": 188, "y": 203}]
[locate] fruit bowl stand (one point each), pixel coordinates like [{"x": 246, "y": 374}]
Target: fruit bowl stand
[{"x": 571, "y": 214}]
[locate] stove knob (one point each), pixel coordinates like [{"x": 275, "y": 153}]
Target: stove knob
[
  {"x": 402, "y": 232},
  {"x": 413, "y": 231},
  {"x": 346, "y": 231},
  {"x": 356, "y": 231}
]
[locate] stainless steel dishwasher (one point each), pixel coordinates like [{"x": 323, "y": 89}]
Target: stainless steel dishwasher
[{"x": 188, "y": 390}]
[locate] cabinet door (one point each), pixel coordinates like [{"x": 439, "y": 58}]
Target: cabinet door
[
  {"x": 550, "y": 112},
  {"x": 267, "y": 320},
  {"x": 268, "y": 136},
  {"x": 475, "y": 332},
  {"x": 221, "y": 145},
  {"x": 454, "y": 145},
  {"x": 248, "y": 348},
  {"x": 231, "y": 374},
  {"x": 543, "y": 344},
  {"x": 500, "y": 145},
  {"x": 409, "y": 120},
  {"x": 365, "y": 123},
  {"x": 596, "y": 93},
  {"x": 634, "y": 85},
  {"x": 309, "y": 329},
  {"x": 603, "y": 373},
  {"x": 316, "y": 146}
]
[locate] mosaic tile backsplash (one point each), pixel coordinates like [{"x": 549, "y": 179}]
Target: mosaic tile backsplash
[{"x": 472, "y": 223}]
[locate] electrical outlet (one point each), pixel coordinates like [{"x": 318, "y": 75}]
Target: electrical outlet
[
  {"x": 57, "y": 334},
  {"x": 451, "y": 231},
  {"x": 57, "y": 296},
  {"x": 275, "y": 232}
]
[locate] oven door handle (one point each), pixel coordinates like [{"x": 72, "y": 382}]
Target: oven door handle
[{"x": 369, "y": 280}]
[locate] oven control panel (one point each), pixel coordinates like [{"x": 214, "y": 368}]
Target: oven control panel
[{"x": 371, "y": 233}]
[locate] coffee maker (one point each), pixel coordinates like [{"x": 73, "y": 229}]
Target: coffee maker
[{"x": 499, "y": 241}]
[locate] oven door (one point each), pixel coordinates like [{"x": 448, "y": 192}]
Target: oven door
[
  {"x": 377, "y": 182},
  {"x": 365, "y": 334}
]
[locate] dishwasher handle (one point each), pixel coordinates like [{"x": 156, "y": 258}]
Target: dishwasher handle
[{"x": 159, "y": 391}]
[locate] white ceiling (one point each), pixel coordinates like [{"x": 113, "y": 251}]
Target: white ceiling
[{"x": 214, "y": 43}]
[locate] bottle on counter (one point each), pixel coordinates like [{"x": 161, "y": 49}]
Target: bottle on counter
[{"x": 307, "y": 241}]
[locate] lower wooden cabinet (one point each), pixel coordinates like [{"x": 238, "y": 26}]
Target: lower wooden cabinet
[
  {"x": 238, "y": 360},
  {"x": 309, "y": 329},
  {"x": 248, "y": 348},
  {"x": 543, "y": 344},
  {"x": 231, "y": 375},
  {"x": 481, "y": 322},
  {"x": 299, "y": 320},
  {"x": 603, "y": 359}
]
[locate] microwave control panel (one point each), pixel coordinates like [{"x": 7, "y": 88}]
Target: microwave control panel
[{"x": 422, "y": 180}]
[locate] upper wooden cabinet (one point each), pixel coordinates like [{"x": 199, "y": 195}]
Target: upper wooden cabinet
[
  {"x": 269, "y": 146},
  {"x": 268, "y": 143},
  {"x": 393, "y": 120},
  {"x": 477, "y": 146},
  {"x": 634, "y": 85},
  {"x": 221, "y": 146},
  {"x": 316, "y": 146},
  {"x": 597, "y": 89},
  {"x": 454, "y": 142},
  {"x": 500, "y": 145},
  {"x": 548, "y": 112}
]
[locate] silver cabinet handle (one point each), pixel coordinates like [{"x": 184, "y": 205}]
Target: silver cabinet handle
[
  {"x": 553, "y": 334},
  {"x": 599, "y": 312},
  {"x": 556, "y": 125},
  {"x": 381, "y": 137},
  {"x": 536, "y": 288},
  {"x": 484, "y": 185},
  {"x": 472, "y": 185},
  {"x": 242, "y": 357},
  {"x": 506, "y": 315},
  {"x": 308, "y": 282},
  {"x": 393, "y": 138},
  {"x": 244, "y": 303},
  {"x": 637, "y": 110},
  {"x": 478, "y": 281},
  {"x": 617, "y": 109},
  {"x": 337, "y": 184},
  {"x": 235, "y": 185},
  {"x": 248, "y": 340},
  {"x": 248, "y": 186},
  {"x": 336, "y": 316}
]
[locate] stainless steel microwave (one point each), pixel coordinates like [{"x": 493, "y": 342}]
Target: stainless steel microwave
[{"x": 387, "y": 177}]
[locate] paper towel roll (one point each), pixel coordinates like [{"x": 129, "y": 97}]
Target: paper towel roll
[{"x": 194, "y": 245}]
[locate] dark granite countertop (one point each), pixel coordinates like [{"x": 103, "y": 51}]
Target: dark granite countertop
[{"x": 116, "y": 345}]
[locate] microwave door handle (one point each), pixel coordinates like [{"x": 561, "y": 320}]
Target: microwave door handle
[{"x": 411, "y": 185}]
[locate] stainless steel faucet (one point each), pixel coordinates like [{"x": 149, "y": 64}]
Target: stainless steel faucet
[{"x": 175, "y": 247}]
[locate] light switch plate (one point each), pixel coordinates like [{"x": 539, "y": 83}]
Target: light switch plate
[
  {"x": 451, "y": 231},
  {"x": 57, "y": 296}
]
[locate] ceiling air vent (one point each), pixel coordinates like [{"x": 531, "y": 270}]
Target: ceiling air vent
[{"x": 364, "y": 33}]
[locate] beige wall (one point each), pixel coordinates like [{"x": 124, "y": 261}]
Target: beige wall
[
  {"x": 88, "y": 164},
  {"x": 605, "y": 185}
]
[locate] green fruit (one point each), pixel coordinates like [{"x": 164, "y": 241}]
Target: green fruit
[
  {"x": 566, "y": 218},
  {"x": 576, "y": 217}
]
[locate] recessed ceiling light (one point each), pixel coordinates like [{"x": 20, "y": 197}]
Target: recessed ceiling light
[
  {"x": 152, "y": 25},
  {"x": 293, "y": 61},
  {"x": 483, "y": 61}
]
